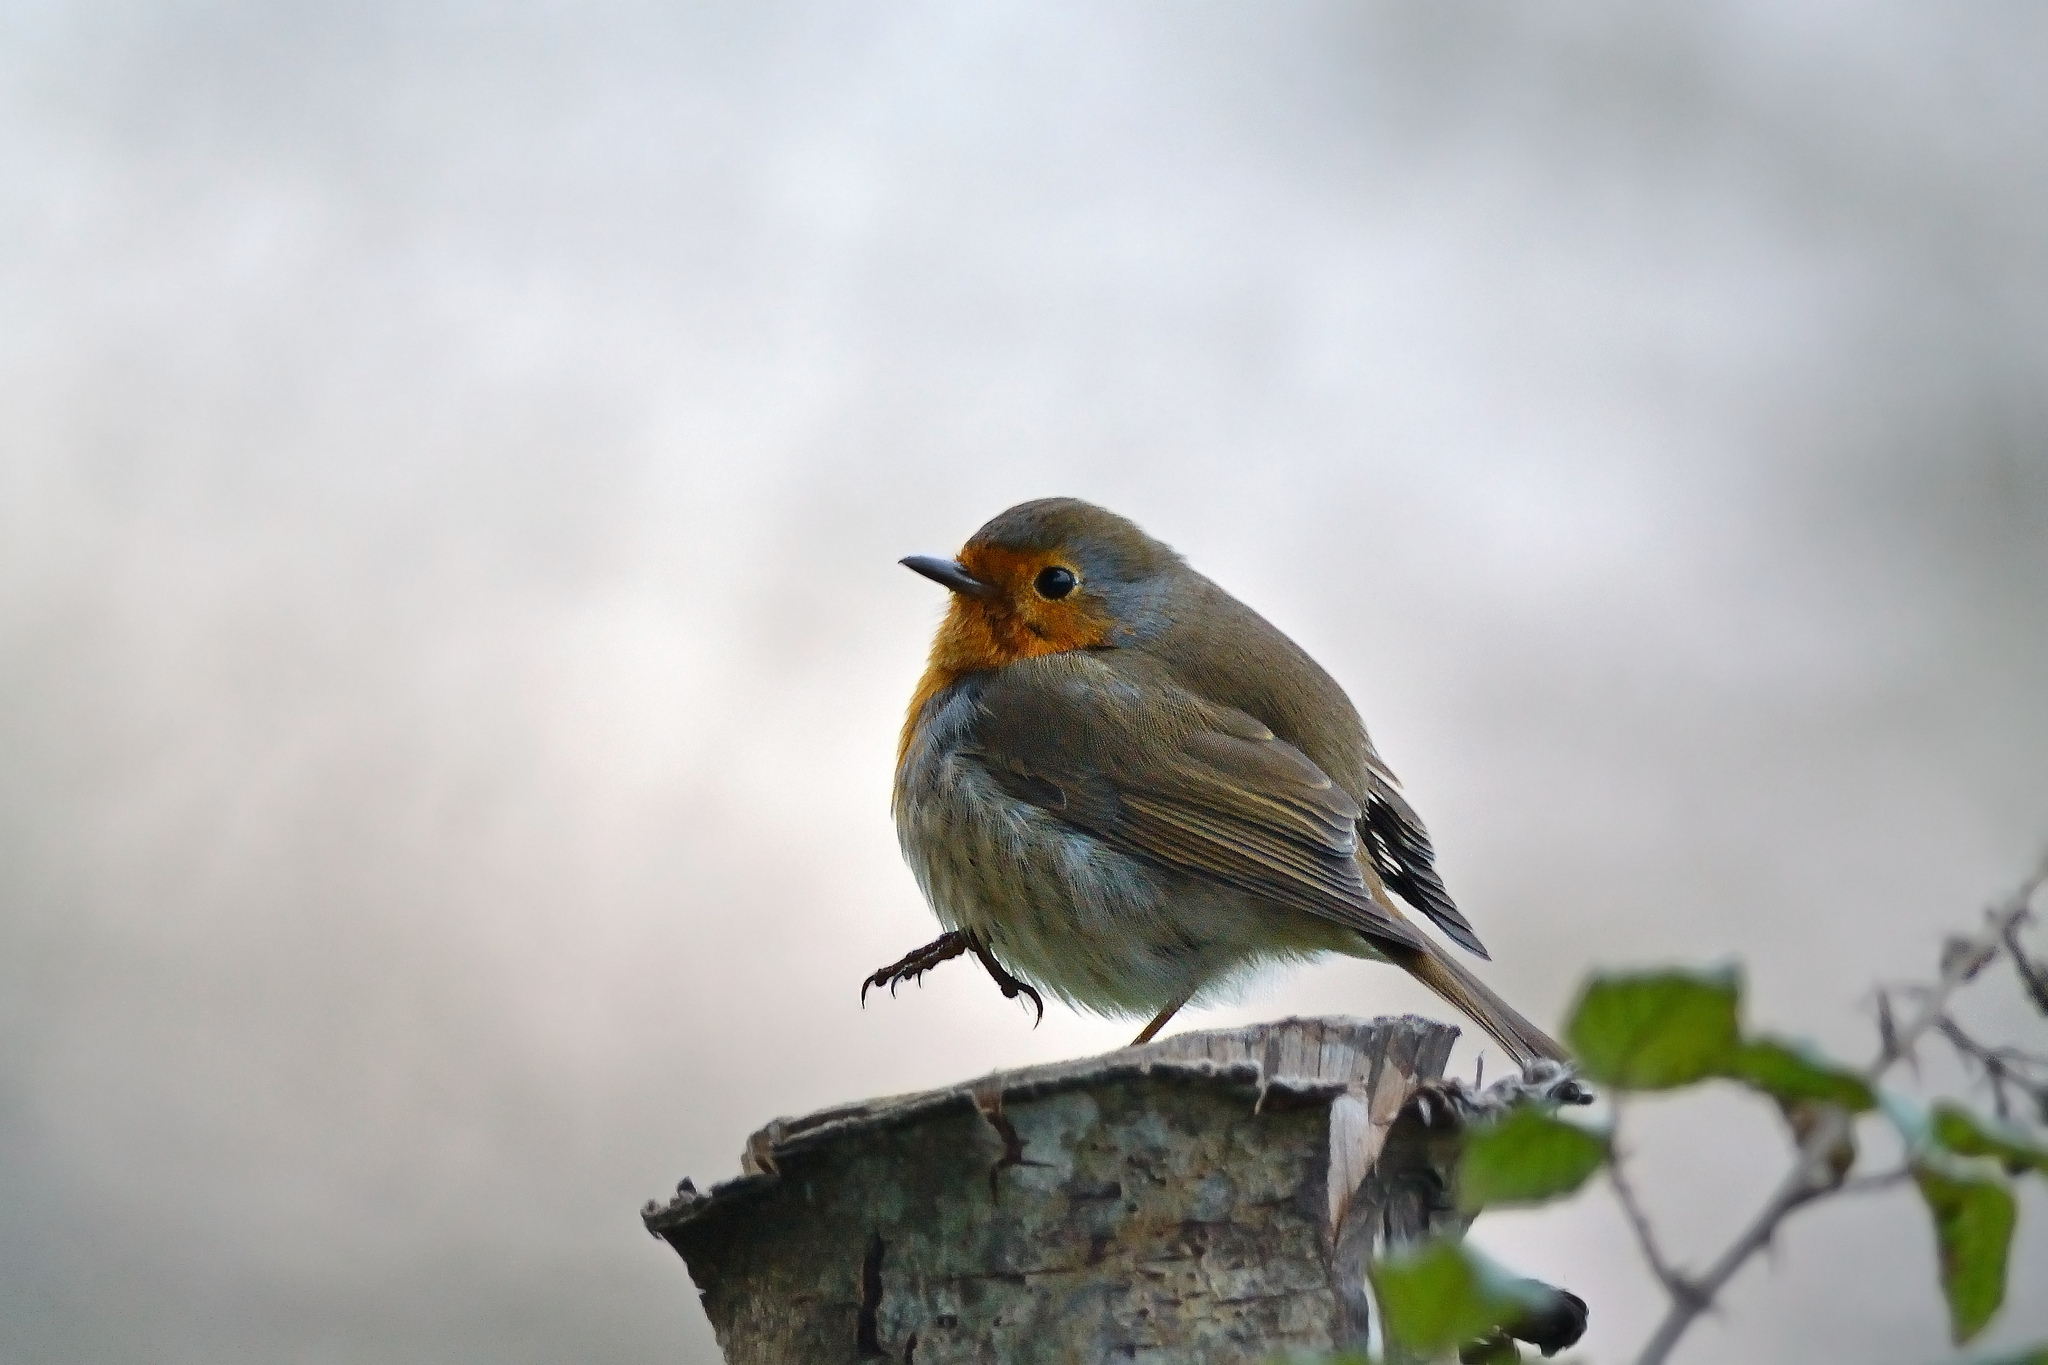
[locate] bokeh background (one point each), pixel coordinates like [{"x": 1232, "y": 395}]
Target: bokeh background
[{"x": 453, "y": 460}]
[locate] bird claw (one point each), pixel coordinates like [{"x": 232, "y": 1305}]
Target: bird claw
[{"x": 914, "y": 964}]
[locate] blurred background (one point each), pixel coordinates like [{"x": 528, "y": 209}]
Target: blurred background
[{"x": 453, "y": 460}]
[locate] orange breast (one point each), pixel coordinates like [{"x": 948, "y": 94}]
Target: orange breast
[{"x": 982, "y": 634}]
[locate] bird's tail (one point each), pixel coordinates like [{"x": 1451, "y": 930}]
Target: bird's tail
[{"x": 1502, "y": 1022}]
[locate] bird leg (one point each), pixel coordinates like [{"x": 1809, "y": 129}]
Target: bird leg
[
  {"x": 1012, "y": 987},
  {"x": 944, "y": 948},
  {"x": 1159, "y": 1020}
]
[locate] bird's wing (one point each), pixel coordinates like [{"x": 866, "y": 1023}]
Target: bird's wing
[
  {"x": 1401, "y": 853},
  {"x": 1198, "y": 788}
]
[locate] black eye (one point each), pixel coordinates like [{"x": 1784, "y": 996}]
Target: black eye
[{"x": 1055, "y": 583}]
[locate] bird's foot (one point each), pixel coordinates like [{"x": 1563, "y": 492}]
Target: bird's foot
[
  {"x": 917, "y": 962},
  {"x": 944, "y": 948}
]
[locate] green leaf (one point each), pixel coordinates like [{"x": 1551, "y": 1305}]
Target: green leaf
[
  {"x": 2026, "y": 1355},
  {"x": 1657, "y": 1030},
  {"x": 1442, "y": 1294},
  {"x": 1973, "y": 1222},
  {"x": 1966, "y": 1134},
  {"x": 1525, "y": 1158},
  {"x": 1787, "y": 1071}
]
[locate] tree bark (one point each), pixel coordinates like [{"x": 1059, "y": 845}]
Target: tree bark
[{"x": 1211, "y": 1198}]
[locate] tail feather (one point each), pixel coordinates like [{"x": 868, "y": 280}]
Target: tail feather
[{"x": 1502, "y": 1022}]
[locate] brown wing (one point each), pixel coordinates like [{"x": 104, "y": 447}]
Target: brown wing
[{"x": 1201, "y": 789}]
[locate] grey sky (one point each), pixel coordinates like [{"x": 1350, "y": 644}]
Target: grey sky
[{"x": 453, "y": 460}]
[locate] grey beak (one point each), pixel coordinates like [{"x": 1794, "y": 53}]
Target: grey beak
[{"x": 948, "y": 572}]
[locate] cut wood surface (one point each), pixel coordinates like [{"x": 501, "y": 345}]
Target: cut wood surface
[{"x": 1214, "y": 1197}]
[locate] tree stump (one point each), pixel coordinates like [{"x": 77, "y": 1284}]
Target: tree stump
[{"x": 1215, "y": 1197}]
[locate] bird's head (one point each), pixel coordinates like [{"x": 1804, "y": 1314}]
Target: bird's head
[{"x": 1046, "y": 577}]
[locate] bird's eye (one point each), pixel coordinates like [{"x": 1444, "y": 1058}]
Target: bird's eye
[{"x": 1055, "y": 582}]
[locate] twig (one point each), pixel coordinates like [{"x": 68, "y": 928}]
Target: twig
[
  {"x": 2002, "y": 1067},
  {"x": 1887, "y": 1031},
  {"x": 1675, "y": 1284},
  {"x": 1863, "y": 1184},
  {"x": 2032, "y": 975},
  {"x": 1934, "y": 1003},
  {"x": 1811, "y": 1176}
]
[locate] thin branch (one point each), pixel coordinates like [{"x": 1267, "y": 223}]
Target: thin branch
[
  {"x": 1811, "y": 1175},
  {"x": 1864, "y": 1184},
  {"x": 1963, "y": 965},
  {"x": 1675, "y": 1284},
  {"x": 2008, "y": 1058},
  {"x": 2002, "y": 1067},
  {"x": 2033, "y": 975},
  {"x": 1887, "y": 1030}
]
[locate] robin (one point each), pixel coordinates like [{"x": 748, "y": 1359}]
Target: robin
[{"x": 1119, "y": 783}]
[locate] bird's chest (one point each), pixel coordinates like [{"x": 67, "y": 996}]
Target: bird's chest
[
  {"x": 990, "y": 862},
  {"x": 1059, "y": 905}
]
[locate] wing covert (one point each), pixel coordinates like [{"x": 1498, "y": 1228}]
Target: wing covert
[{"x": 1202, "y": 789}]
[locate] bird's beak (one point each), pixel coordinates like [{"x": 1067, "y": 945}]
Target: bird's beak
[{"x": 949, "y": 572}]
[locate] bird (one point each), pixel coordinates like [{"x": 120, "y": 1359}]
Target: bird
[{"x": 1121, "y": 785}]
